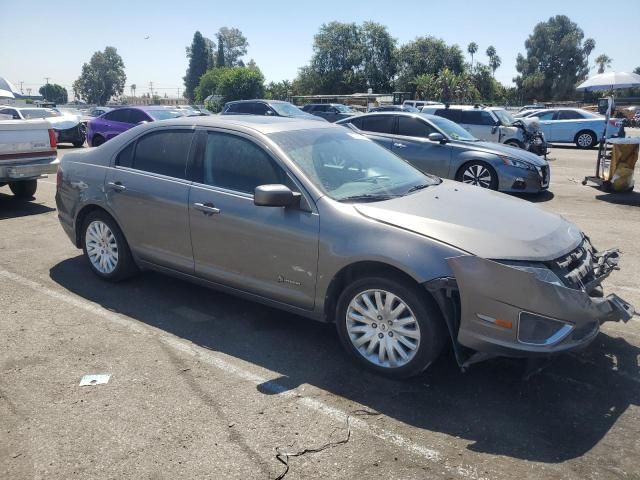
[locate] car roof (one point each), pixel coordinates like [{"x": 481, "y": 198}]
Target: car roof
[
  {"x": 391, "y": 113},
  {"x": 256, "y": 100},
  {"x": 259, "y": 123}
]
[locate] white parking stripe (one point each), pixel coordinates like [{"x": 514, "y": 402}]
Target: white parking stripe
[{"x": 219, "y": 361}]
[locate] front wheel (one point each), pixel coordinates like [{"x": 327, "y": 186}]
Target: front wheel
[
  {"x": 25, "y": 189},
  {"x": 390, "y": 326},
  {"x": 478, "y": 173},
  {"x": 97, "y": 140},
  {"x": 586, "y": 139}
]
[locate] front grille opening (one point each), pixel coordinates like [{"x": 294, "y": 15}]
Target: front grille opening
[{"x": 576, "y": 268}]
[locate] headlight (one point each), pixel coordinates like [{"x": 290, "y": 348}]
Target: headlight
[
  {"x": 540, "y": 272},
  {"x": 516, "y": 163}
]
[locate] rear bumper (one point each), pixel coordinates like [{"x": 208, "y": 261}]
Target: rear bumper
[
  {"x": 517, "y": 315},
  {"x": 13, "y": 172}
]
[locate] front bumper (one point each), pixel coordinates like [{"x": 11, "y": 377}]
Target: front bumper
[
  {"x": 516, "y": 315},
  {"x": 519, "y": 180},
  {"x": 12, "y": 172}
]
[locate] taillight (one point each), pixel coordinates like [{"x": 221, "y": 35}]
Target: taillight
[
  {"x": 53, "y": 141},
  {"x": 58, "y": 178}
]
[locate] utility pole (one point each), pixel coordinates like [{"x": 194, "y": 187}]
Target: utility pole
[
  {"x": 151, "y": 88},
  {"x": 47, "y": 79},
  {"x": 29, "y": 91},
  {"x": 21, "y": 83}
]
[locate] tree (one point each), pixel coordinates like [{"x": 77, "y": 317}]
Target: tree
[
  {"x": 133, "y": 89},
  {"x": 220, "y": 56},
  {"x": 491, "y": 51},
  {"x": 472, "y": 48},
  {"x": 555, "y": 60},
  {"x": 208, "y": 84},
  {"x": 54, "y": 93},
  {"x": 587, "y": 47},
  {"x": 199, "y": 56},
  {"x": 426, "y": 55},
  {"x": 636, "y": 70},
  {"x": 234, "y": 46},
  {"x": 101, "y": 78},
  {"x": 482, "y": 79},
  {"x": 279, "y": 90},
  {"x": 494, "y": 63},
  {"x": 378, "y": 56},
  {"x": 240, "y": 83},
  {"x": 446, "y": 87},
  {"x": 603, "y": 61}
]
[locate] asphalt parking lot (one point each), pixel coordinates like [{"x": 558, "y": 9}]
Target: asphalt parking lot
[{"x": 205, "y": 385}]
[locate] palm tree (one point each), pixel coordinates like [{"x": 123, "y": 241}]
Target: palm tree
[
  {"x": 494, "y": 62},
  {"x": 491, "y": 51},
  {"x": 133, "y": 89},
  {"x": 587, "y": 48},
  {"x": 472, "y": 48},
  {"x": 603, "y": 61}
]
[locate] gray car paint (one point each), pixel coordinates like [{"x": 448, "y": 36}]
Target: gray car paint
[
  {"x": 260, "y": 247},
  {"x": 445, "y": 160}
]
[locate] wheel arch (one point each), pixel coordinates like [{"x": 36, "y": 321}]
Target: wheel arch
[
  {"x": 82, "y": 214},
  {"x": 360, "y": 269}
]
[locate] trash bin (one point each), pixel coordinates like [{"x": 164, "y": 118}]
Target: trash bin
[{"x": 623, "y": 161}]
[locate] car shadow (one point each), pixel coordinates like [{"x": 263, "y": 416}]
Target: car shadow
[
  {"x": 11, "y": 207},
  {"x": 555, "y": 415},
  {"x": 541, "y": 197}
]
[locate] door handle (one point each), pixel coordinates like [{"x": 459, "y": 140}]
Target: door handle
[
  {"x": 399, "y": 145},
  {"x": 116, "y": 186},
  {"x": 206, "y": 208}
]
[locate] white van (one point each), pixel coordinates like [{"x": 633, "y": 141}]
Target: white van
[{"x": 419, "y": 103}]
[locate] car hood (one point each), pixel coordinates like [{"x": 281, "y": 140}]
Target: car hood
[
  {"x": 507, "y": 150},
  {"x": 482, "y": 222}
]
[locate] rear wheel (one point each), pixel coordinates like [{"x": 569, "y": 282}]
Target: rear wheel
[
  {"x": 389, "y": 326},
  {"x": 97, "y": 140},
  {"x": 586, "y": 139},
  {"x": 478, "y": 173},
  {"x": 25, "y": 189},
  {"x": 105, "y": 248}
]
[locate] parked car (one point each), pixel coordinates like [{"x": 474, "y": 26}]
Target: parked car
[
  {"x": 419, "y": 103},
  {"x": 271, "y": 108},
  {"x": 119, "y": 120},
  {"x": 67, "y": 127},
  {"x": 574, "y": 125},
  {"x": 331, "y": 112},
  {"x": 316, "y": 219},
  {"x": 440, "y": 147},
  {"x": 97, "y": 111},
  {"x": 534, "y": 106},
  {"x": 28, "y": 150},
  {"x": 193, "y": 110},
  {"x": 394, "y": 108},
  {"x": 491, "y": 124}
]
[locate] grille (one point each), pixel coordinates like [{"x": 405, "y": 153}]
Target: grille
[
  {"x": 577, "y": 267},
  {"x": 544, "y": 175}
]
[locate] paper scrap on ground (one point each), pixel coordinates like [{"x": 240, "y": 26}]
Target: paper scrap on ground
[{"x": 89, "y": 380}]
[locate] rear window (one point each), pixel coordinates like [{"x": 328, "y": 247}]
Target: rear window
[
  {"x": 412, "y": 127},
  {"x": 477, "y": 117},
  {"x": 378, "y": 123}
]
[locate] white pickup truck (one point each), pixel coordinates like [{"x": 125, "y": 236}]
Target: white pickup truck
[{"x": 28, "y": 150}]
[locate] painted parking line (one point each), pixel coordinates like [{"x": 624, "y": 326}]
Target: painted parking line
[{"x": 221, "y": 362}]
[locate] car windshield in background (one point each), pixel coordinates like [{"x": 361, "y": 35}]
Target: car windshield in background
[
  {"x": 288, "y": 110},
  {"x": 504, "y": 117},
  {"x": 350, "y": 167},
  {"x": 165, "y": 114},
  {"x": 31, "y": 113},
  {"x": 344, "y": 109},
  {"x": 452, "y": 129}
]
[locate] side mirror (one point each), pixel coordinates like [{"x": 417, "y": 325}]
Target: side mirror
[
  {"x": 494, "y": 129},
  {"x": 437, "y": 137},
  {"x": 274, "y": 196}
]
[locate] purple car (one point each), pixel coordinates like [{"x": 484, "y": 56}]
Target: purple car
[{"x": 116, "y": 121}]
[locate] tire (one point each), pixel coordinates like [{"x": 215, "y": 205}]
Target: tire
[
  {"x": 478, "y": 173},
  {"x": 102, "y": 238},
  {"x": 25, "y": 189},
  {"x": 586, "y": 139},
  {"x": 97, "y": 140},
  {"x": 514, "y": 143},
  {"x": 78, "y": 144},
  {"x": 428, "y": 325}
]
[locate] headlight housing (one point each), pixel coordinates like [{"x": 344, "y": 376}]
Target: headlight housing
[
  {"x": 516, "y": 163},
  {"x": 541, "y": 272}
]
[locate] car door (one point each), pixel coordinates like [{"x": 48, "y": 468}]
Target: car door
[
  {"x": 148, "y": 192},
  {"x": 567, "y": 125},
  {"x": 411, "y": 143},
  {"x": 547, "y": 125},
  {"x": 481, "y": 124},
  {"x": 267, "y": 251},
  {"x": 115, "y": 122},
  {"x": 379, "y": 128},
  {"x": 11, "y": 113}
]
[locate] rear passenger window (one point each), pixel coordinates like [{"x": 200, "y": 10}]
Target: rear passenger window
[
  {"x": 357, "y": 122},
  {"x": 136, "y": 116},
  {"x": 125, "y": 157},
  {"x": 120, "y": 115},
  {"x": 163, "y": 152},
  {"x": 412, "y": 127},
  {"x": 378, "y": 123},
  {"x": 453, "y": 115},
  {"x": 238, "y": 164},
  {"x": 258, "y": 108},
  {"x": 569, "y": 115}
]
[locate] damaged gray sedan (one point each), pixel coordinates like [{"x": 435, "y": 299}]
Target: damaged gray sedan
[{"x": 321, "y": 221}]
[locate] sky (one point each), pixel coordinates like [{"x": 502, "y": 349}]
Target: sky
[{"x": 36, "y": 44}]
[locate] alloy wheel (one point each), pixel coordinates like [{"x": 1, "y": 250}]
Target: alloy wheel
[
  {"x": 477, "y": 174},
  {"x": 102, "y": 247},
  {"x": 585, "y": 140},
  {"x": 382, "y": 328}
]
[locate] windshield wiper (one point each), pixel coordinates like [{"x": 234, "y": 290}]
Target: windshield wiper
[
  {"x": 368, "y": 197},
  {"x": 415, "y": 188}
]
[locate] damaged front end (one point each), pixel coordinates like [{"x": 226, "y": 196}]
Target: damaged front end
[{"x": 527, "y": 309}]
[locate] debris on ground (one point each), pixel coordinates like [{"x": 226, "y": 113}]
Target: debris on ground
[
  {"x": 98, "y": 379},
  {"x": 283, "y": 457}
]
